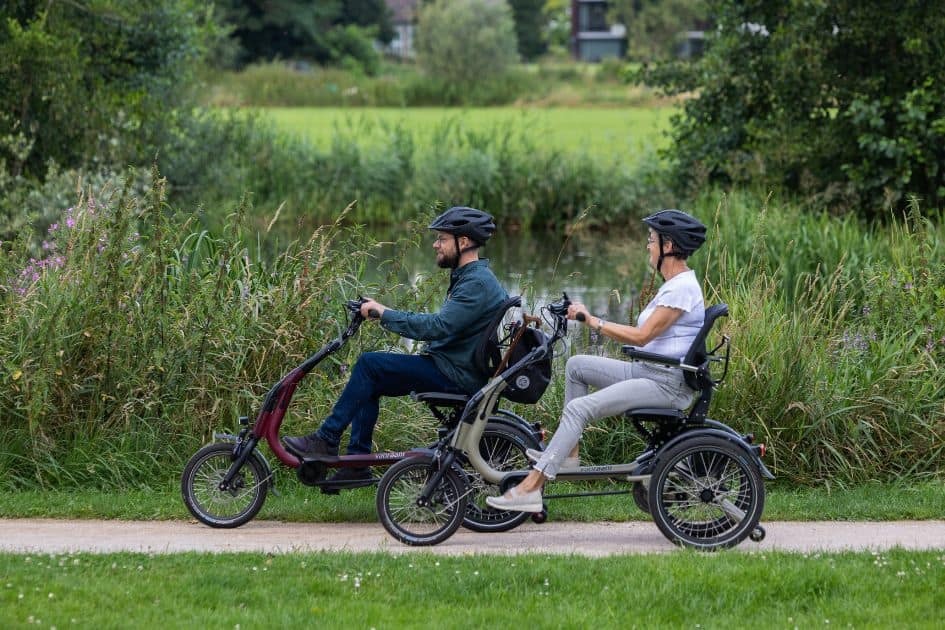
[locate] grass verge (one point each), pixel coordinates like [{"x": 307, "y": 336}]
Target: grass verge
[
  {"x": 894, "y": 589},
  {"x": 295, "y": 502}
]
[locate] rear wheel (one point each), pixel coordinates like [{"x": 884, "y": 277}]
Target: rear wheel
[
  {"x": 503, "y": 448},
  {"x": 706, "y": 493},
  {"x": 399, "y": 508},
  {"x": 235, "y": 506}
]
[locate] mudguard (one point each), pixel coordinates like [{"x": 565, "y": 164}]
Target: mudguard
[
  {"x": 726, "y": 433},
  {"x": 504, "y": 417}
]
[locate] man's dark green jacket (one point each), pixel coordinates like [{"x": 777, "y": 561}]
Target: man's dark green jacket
[{"x": 452, "y": 334}]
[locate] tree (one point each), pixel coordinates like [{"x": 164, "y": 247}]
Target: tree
[
  {"x": 464, "y": 42},
  {"x": 841, "y": 101},
  {"x": 92, "y": 83},
  {"x": 654, "y": 26},
  {"x": 325, "y": 32},
  {"x": 558, "y": 26},
  {"x": 530, "y": 27}
]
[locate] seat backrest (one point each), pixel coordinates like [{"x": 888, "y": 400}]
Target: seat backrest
[
  {"x": 488, "y": 351},
  {"x": 698, "y": 353}
]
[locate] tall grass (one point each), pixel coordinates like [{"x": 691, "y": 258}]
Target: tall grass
[
  {"x": 139, "y": 333},
  {"x": 502, "y": 168},
  {"x": 838, "y": 336},
  {"x": 277, "y": 84},
  {"x": 840, "y": 342}
]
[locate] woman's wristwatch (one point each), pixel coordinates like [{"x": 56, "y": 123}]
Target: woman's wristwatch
[{"x": 601, "y": 322}]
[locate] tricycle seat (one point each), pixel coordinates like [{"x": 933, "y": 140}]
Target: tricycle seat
[{"x": 441, "y": 399}]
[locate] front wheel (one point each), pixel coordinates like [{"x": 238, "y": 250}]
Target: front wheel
[
  {"x": 400, "y": 509},
  {"x": 706, "y": 493},
  {"x": 235, "y": 506},
  {"x": 503, "y": 447}
]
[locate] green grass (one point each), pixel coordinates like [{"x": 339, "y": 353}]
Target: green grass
[
  {"x": 685, "y": 589},
  {"x": 298, "y": 503},
  {"x": 622, "y": 134}
]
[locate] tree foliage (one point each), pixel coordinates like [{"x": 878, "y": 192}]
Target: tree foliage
[
  {"x": 464, "y": 42},
  {"x": 841, "y": 101},
  {"x": 654, "y": 26},
  {"x": 531, "y": 25},
  {"x": 328, "y": 32},
  {"x": 93, "y": 82}
]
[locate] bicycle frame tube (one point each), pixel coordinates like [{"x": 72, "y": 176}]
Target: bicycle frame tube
[
  {"x": 483, "y": 403},
  {"x": 273, "y": 410},
  {"x": 469, "y": 432}
]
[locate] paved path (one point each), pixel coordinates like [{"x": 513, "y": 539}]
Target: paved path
[{"x": 589, "y": 539}]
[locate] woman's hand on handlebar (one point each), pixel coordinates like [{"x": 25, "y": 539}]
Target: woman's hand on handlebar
[
  {"x": 371, "y": 309},
  {"x": 579, "y": 312}
]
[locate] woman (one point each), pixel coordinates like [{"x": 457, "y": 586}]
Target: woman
[{"x": 667, "y": 326}]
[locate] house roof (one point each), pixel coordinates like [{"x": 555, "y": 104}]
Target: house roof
[{"x": 402, "y": 11}]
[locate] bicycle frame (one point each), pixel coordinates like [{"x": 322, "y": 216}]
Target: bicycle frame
[
  {"x": 702, "y": 481},
  {"x": 276, "y": 403},
  {"x": 470, "y": 428}
]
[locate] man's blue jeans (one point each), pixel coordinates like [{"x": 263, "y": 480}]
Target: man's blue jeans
[{"x": 377, "y": 374}]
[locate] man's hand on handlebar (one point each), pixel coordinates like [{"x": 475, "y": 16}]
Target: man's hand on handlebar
[{"x": 371, "y": 309}]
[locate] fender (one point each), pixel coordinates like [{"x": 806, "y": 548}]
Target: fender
[
  {"x": 504, "y": 417},
  {"x": 725, "y": 433}
]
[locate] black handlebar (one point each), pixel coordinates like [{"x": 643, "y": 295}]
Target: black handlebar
[
  {"x": 354, "y": 306},
  {"x": 560, "y": 308},
  {"x": 580, "y": 317}
]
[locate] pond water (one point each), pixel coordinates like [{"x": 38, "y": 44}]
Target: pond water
[{"x": 601, "y": 269}]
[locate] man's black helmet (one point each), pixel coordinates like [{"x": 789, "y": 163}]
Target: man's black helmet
[
  {"x": 684, "y": 230},
  {"x": 468, "y": 222}
]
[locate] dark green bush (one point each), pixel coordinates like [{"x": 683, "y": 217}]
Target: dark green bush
[{"x": 841, "y": 102}]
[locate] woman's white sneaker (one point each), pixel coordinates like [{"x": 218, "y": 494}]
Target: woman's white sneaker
[{"x": 517, "y": 502}]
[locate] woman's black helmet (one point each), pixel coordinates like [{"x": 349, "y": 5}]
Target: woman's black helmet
[
  {"x": 469, "y": 222},
  {"x": 684, "y": 230}
]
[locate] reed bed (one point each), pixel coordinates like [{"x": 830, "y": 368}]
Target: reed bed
[{"x": 137, "y": 333}]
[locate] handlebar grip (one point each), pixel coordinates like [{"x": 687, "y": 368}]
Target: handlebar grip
[
  {"x": 580, "y": 317},
  {"x": 373, "y": 313}
]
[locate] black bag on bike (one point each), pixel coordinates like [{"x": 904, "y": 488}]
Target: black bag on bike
[{"x": 528, "y": 384}]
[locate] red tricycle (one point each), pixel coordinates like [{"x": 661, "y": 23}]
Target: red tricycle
[{"x": 225, "y": 483}]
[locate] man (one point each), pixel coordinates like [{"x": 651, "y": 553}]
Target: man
[{"x": 445, "y": 365}]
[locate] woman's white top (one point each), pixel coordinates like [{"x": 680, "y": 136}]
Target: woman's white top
[{"x": 682, "y": 292}]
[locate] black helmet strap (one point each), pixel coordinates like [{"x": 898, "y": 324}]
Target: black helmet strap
[
  {"x": 460, "y": 252},
  {"x": 673, "y": 254}
]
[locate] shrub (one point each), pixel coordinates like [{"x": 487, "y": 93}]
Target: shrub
[
  {"x": 841, "y": 102},
  {"x": 464, "y": 42}
]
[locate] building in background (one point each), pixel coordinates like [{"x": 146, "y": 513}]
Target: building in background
[
  {"x": 593, "y": 37},
  {"x": 404, "y": 20}
]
